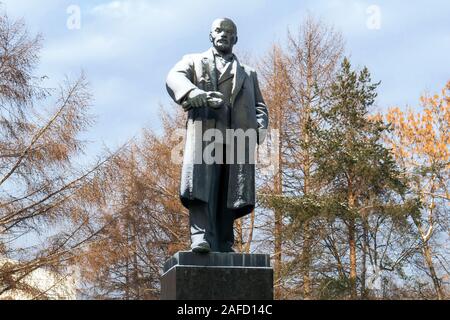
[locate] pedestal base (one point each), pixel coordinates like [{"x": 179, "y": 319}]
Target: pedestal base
[{"x": 217, "y": 276}]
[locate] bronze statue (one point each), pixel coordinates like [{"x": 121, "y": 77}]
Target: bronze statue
[{"x": 224, "y": 104}]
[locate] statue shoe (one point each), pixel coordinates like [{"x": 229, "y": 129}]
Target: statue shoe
[{"x": 202, "y": 247}]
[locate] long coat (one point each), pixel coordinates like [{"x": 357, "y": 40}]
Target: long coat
[{"x": 248, "y": 111}]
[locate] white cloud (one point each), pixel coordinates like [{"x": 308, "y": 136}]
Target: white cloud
[
  {"x": 137, "y": 9},
  {"x": 114, "y": 9}
]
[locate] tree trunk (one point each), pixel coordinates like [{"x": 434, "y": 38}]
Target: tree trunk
[
  {"x": 239, "y": 235},
  {"x": 278, "y": 186},
  {"x": 365, "y": 252},
  {"x": 352, "y": 246},
  {"x": 278, "y": 233},
  {"x": 306, "y": 261},
  {"x": 426, "y": 249},
  {"x": 278, "y": 248},
  {"x": 436, "y": 281},
  {"x": 250, "y": 233},
  {"x": 306, "y": 250}
]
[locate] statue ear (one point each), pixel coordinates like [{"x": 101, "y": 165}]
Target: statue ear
[
  {"x": 235, "y": 40},
  {"x": 211, "y": 38}
]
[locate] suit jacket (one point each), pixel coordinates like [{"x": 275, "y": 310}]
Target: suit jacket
[{"x": 247, "y": 111}]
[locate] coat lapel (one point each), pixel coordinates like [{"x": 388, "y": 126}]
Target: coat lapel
[
  {"x": 209, "y": 69},
  {"x": 239, "y": 77},
  {"x": 211, "y": 73},
  {"x": 226, "y": 74}
]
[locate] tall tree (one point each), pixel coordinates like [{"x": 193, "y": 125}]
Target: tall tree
[
  {"x": 276, "y": 94},
  {"x": 358, "y": 173},
  {"x": 42, "y": 223},
  {"x": 292, "y": 76},
  {"x": 420, "y": 141}
]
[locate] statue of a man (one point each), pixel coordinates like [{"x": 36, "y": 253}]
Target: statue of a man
[{"x": 221, "y": 96}]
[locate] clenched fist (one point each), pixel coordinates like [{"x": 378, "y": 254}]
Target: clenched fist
[{"x": 197, "y": 98}]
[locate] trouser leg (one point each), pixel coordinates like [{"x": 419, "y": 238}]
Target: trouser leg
[
  {"x": 200, "y": 223},
  {"x": 213, "y": 221},
  {"x": 224, "y": 216},
  {"x": 213, "y": 206},
  {"x": 202, "y": 215}
]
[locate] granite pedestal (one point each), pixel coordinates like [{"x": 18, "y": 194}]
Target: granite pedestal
[{"x": 217, "y": 276}]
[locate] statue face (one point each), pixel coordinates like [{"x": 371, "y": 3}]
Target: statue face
[{"x": 223, "y": 35}]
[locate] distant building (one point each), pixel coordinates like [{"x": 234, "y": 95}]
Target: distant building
[{"x": 40, "y": 284}]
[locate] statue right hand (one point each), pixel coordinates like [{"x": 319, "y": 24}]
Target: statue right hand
[
  {"x": 215, "y": 99},
  {"x": 197, "y": 98}
]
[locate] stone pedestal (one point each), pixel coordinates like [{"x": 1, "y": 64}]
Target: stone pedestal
[{"x": 217, "y": 276}]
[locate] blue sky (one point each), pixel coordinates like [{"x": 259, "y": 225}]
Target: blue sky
[{"x": 126, "y": 47}]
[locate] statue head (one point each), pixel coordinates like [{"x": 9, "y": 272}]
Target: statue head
[{"x": 223, "y": 35}]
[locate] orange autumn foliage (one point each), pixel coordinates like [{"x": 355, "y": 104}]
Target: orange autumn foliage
[{"x": 423, "y": 137}]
